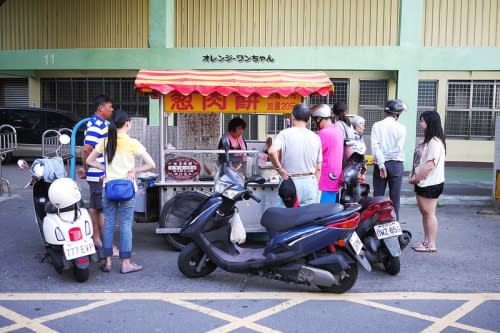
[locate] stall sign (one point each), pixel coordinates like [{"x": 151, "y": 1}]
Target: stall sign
[
  {"x": 234, "y": 103},
  {"x": 182, "y": 168}
]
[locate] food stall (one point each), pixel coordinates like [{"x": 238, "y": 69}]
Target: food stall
[{"x": 188, "y": 157}]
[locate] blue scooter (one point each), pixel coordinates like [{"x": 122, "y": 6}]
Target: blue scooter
[{"x": 314, "y": 245}]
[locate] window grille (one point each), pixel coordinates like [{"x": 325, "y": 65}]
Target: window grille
[
  {"x": 340, "y": 94},
  {"x": 251, "y": 132},
  {"x": 372, "y": 99},
  {"x": 471, "y": 109},
  {"x": 77, "y": 95},
  {"x": 427, "y": 101}
]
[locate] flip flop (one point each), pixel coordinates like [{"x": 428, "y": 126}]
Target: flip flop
[{"x": 424, "y": 248}]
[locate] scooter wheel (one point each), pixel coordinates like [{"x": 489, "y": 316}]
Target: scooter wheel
[
  {"x": 347, "y": 279},
  {"x": 392, "y": 265},
  {"x": 81, "y": 275},
  {"x": 193, "y": 263}
]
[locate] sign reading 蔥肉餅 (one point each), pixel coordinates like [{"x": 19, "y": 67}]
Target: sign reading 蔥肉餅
[{"x": 234, "y": 103}]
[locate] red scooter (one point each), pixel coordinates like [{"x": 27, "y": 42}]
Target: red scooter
[{"x": 382, "y": 236}]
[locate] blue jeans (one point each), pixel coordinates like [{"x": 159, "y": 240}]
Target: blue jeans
[{"x": 122, "y": 211}]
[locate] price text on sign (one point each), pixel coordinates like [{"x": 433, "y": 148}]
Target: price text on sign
[{"x": 233, "y": 103}]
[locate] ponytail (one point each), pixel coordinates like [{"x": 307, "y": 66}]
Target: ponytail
[
  {"x": 110, "y": 148},
  {"x": 118, "y": 120}
]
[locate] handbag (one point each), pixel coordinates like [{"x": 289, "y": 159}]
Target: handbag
[{"x": 119, "y": 190}]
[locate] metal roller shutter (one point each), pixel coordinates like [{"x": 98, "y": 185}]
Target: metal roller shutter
[{"x": 14, "y": 92}]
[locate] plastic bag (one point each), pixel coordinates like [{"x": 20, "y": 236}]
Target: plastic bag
[{"x": 238, "y": 233}]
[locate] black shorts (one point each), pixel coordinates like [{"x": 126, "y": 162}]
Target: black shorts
[
  {"x": 95, "y": 195},
  {"x": 430, "y": 192}
]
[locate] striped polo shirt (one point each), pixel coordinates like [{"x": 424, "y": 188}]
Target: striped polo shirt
[{"x": 96, "y": 130}]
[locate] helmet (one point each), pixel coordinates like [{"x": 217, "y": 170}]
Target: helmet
[
  {"x": 354, "y": 146},
  {"x": 64, "y": 192},
  {"x": 395, "y": 106},
  {"x": 301, "y": 112},
  {"x": 321, "y": 111}
]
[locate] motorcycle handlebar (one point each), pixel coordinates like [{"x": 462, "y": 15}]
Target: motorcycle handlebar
[{"x": 249, "y": 195}]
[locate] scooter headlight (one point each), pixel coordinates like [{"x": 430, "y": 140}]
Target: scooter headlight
[{"x": 231, "y": 193}]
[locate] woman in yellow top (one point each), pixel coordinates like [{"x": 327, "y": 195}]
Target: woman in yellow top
[{"x": 119, "y": 151}]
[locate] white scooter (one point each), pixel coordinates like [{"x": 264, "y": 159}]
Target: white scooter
[{"x": 64, "y": 224}]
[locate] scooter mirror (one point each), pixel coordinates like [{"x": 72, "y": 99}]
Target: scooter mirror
[
  {"x": 256, "y": 179},
  {"x": 64, "y": 139},
  {"x": 23, "y": 165}
]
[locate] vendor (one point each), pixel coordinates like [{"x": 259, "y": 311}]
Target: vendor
[{"x": 235, "y": 141}]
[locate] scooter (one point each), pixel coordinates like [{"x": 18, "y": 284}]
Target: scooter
[
  {"x": 381, "y": 234},
  {"x": 64, "y": 224},
  {"x": 315, "y": 245}
]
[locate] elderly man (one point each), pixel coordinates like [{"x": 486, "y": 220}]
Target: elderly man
[{"x": 301, "y": 156}]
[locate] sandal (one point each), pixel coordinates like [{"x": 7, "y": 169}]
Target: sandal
[
  {"x": 106, "y": 268},
  {"x": 418, "y": 244},
  {"x": 132, "y": 268},
  {"x": 424, "y": 248}
]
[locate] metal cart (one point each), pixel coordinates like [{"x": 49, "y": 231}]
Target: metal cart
[
  {"x": 8, "y": 143},
  {"x": 199, "y": 97}
]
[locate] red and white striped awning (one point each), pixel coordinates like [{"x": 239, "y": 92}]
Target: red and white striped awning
[{"x": 226, "y": 82}]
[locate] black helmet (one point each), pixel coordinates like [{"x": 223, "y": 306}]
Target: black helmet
[
  {"x": 301, "y": 112},
  {"x": 395, "y": 106}
]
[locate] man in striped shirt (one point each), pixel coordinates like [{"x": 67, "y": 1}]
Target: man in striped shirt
[{"x": 96, "y": 130}]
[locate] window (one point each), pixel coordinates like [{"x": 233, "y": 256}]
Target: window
[
  {"x": 251, "y": 132},
  {"x": 77, "y": 95},
  {"x": 427, "y": 100},
  {"x": 372, "y": 99},
  {"x": 340, "y": 94},
  {"x": 471, "y": 109}
]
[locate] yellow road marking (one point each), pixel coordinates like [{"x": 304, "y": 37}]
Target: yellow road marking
[
  {"x": 289, "y": 299},
  {"x": 21, "y": 321},
  {"x": 36, "y": 323}
]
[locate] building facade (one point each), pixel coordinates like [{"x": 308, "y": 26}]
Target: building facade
[{"x": 434, "y": 54}]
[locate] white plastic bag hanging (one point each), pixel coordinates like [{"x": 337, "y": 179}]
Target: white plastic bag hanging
[{"x": 238, "y": 233}]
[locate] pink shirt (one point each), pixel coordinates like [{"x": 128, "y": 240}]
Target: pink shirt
[{"x": 332, "y": 144}]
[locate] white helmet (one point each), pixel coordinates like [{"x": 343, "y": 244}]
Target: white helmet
[
  {"x": 64, "y": 192},
  {"x": 354, "y": 146},
  {"x": 321, "y": 111}
]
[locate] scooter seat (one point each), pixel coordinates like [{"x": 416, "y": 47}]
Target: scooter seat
[
  {"x": 281, "y": 219},
  {"x": 49, "y": 208}
]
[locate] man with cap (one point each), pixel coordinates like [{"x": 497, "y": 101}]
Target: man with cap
[
  {"x": 301, "y": 156},
  {"x": 387, "y": 139}
]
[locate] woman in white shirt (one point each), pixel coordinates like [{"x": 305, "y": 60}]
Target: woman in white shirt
[{"x": 428, "y": 176}]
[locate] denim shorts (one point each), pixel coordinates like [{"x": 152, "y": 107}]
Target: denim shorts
[
  {"x": 430, "y": 192},
  {"x": 95, "y": 195}
]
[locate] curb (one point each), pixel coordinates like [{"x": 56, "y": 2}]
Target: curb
[{"x": 457, "y": 200}]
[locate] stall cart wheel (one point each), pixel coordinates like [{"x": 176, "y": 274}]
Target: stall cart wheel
[{"x": 176, "y": 212}]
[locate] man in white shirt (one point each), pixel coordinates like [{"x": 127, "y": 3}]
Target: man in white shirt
[
  {"x": 387, "y": 139},
  {"x": 301, "y": 156}
]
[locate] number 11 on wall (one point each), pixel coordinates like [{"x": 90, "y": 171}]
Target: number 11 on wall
[{"x": 49, "y": 59}]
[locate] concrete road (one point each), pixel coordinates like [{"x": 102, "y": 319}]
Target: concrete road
[{"x": 455, "y": 289}]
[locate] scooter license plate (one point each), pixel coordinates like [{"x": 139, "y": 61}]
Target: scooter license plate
[
  {"x": 356, "y": 243},
  {"x": 84, "y": 247},
  {"x": 389, "y": 229}
]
